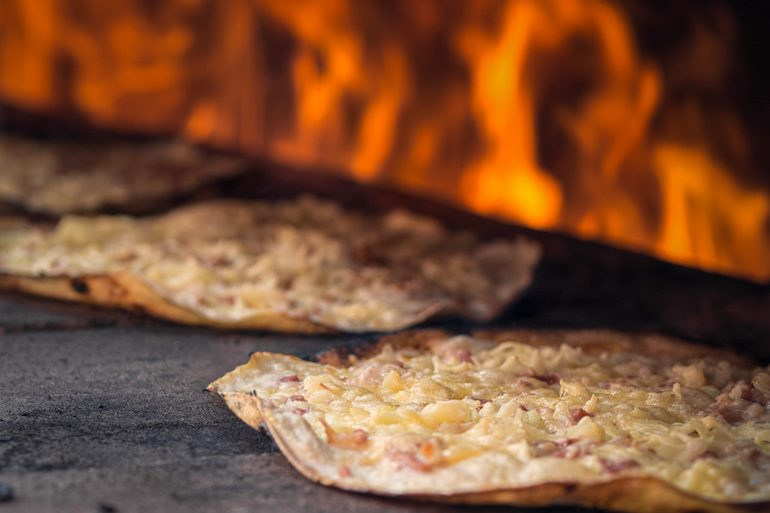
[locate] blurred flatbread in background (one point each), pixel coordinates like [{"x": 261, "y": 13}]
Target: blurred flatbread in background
[
  {"x": 302, "y": 265},
  {"x": 57, "y": 178}
]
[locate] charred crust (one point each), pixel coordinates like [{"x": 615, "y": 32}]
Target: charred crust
[
  {"x": 656, "y": 495},
  {"x": 80, "y": 286},
  {"x": 128, "y": 293}
]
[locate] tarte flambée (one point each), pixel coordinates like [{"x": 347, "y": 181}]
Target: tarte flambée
[
  {"x": 301, "y": 265},
  {"x": 637, "y": 423},
  {"x": 57, "y": 178}
]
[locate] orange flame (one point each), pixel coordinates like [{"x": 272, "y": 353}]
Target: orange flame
[{"x": 544, "y": 112}]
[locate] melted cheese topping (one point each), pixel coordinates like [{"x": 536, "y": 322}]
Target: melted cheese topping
[
  {"x": 229, "y": 260},
  {"x": 483, "y": 416}
]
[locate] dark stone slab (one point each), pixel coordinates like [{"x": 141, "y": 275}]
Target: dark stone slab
[
  {"x": 82, "y": 399},
  {"x": 20, "y": 313},
  {"x": 248, "y": 482}
]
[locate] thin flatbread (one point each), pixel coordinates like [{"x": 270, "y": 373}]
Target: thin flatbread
[
  {"x": 57, "y": 178},
  {"x": 301, "y": 265},
  {"x": 637, "y": 423}
]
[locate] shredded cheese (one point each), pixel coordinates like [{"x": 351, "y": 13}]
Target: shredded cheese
[
  {"x": 306, "y": 258},
  {"x": 534, "y": 414}
]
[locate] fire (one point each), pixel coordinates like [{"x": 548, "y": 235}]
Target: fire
[
  {"x": 548, "y": 113},
  {"x": 327, "y": 32},
  {"x": 713, "y": 226},
  {"x": 507, "y": 178}
]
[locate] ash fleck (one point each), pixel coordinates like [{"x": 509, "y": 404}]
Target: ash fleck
[{"x": 103, "y": 507}]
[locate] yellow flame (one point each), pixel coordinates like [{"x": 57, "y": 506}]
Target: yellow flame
[
  {"x": 709, "y": 218},
  {"x": 507, "y": 179}
]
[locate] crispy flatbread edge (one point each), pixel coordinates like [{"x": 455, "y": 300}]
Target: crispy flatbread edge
[
  {"x": 631, "y": 494},
  {"x": 125, "y": 291},
  {"x": 122, "y": 290},
  {"x": 213, "y": 168},
  {"x": 525, "y": 260}
]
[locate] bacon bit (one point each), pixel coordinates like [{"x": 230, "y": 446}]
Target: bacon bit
[
  {"x": 730, "y": 415},
  {"x": 356, "y": 439},
  {"x": 481, "y": 401},
  {"x": 523, "y": 408},
  {"x": 218, "y": 261},
  {"x": 568, "y": 450},
  {"x": 548, "y": 379},
  {"x": 298, "y": 397},
  {"x": 363, "y": 254},
  {"x": 727, "y": 408},
  {"x": 740, "y": 402},
  {"x": 286, "y": 283},
  {"x": 463, "y": 355},
  {"x": 430, "y": 450},
  {"x": 760, "y": 460},
  {"x": 752, "y": 394},
  {"x": 344, "y": 472},
  {"x": 613, "y": 467},
  {"x": 409, "y": 460},
  {"x": 578, "y": 413},
  {"x": 289, "y": 379},
  {"x": 300, "y": 411},
  {"x": 422, "y": 457}
]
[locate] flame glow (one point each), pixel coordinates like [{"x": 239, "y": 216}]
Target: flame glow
[{"x": 543, "y": 112}]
